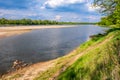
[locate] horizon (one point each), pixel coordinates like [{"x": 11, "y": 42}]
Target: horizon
[
  {"x": 61, "y": 11},
  {"x": 47, "y": 20}
]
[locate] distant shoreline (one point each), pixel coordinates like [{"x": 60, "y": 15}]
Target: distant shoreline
[
  {"x": 32, "y": 27},
  {"x": 17, "y": 30}
]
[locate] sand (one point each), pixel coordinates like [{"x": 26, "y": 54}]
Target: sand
[{"x": 17, "y": 30}]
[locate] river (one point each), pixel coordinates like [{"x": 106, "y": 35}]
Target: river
[{"x": 44, "y": 44}]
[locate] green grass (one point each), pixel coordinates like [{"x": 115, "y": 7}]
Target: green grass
[
  {"x": 100, "y": 63},
  {"x": 96, "y": 64},
  {"x": 60, "y": 62},
  {"x": 15, "y": 76}
]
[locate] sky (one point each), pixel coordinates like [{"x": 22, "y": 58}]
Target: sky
[{"x": 59, "y": 10}]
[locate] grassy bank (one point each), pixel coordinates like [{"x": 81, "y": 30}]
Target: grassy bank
[
  {"x": 96, "y": 59},
  {"x": 100, "y": 63}
]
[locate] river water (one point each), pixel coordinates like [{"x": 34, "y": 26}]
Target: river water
[{"x": 44, "y": 44}]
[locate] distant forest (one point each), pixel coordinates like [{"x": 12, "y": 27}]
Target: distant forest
[{"x": 4, "y": 21}]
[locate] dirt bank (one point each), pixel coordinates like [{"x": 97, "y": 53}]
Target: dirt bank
[{"x": 37, "y": 71}]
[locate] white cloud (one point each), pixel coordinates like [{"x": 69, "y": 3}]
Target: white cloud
[
  {"x": 42, "y": 7},
  {"x": 91, "y": 7},
  {"x": 1, "y": 14},
  {"x": 15, "y": 14},
  {"x": 35, "y": 12},
  {"x": 57, "y": 3},
  {"x": 58, "y": 17},
  {"x": 93, "y": 18}
]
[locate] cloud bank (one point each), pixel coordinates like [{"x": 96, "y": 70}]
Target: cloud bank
[
  {"x": 57, "y": 3},
  {"x": 60, "y": 10}
]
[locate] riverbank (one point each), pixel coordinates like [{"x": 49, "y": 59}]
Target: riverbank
[
  {"x": 101, "y": 50},
  {"x": 5, "y": 33},
  {"x": 17, "y": 30},
  {"x": 101, "y": 62}
]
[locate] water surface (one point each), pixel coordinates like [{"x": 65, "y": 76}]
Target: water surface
[{"x": 44, "y": 44}]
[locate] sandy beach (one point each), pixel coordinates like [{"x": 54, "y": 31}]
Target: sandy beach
[{"x": 17, "y": 30}]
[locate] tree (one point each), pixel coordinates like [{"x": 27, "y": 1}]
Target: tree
[
  {"x": 3, "y": 20},
  {"x": 107, "y": 6},
  {"x": 110, "y": 8}
]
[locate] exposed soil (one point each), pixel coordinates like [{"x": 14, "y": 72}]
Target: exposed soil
[{"x": 29, "y": 73}]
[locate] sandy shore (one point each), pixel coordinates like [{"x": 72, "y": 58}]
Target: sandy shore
[
  {"x": 33, "y": 27},
  {"x": 38, "y": 67},
  {"x": 47, "y": 70},
  {"x": 4, "y": 34},
  {"x": 17, "y": 30}
]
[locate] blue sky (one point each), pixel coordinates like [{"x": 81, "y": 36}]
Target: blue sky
[{"x": 59, "y": 10}]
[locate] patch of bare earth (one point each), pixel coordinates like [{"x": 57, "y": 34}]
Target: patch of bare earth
[
  {"x": 29, "y": 73},
  {"x": 4, "y": 34},
  {"x": 73, "y": 59}
]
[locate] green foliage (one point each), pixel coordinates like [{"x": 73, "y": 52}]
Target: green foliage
[
  {"x": 100, "y": 63},
  {"x": 15, "y": 76},
  {"x": 106, "y": 21},
  {"x": 4, "y": 21},
  {"x": 107, "y": 6},
  {"x": 111, "y": 8}
]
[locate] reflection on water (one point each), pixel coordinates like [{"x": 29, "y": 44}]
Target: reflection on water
[{"x": 43, "y": 44}]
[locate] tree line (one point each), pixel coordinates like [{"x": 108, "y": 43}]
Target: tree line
[
  {"x": 4, "y": 21},
  {"x": 111, "y": 11}
]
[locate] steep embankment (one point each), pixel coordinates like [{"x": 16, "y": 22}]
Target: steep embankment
[
  {"x": 100, "y": 63},
  {"x": 97, "y": 59}
]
